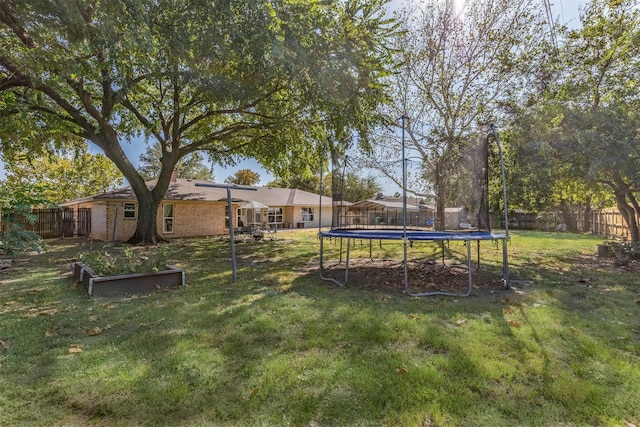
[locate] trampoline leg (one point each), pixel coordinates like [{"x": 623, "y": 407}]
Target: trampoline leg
[
  {"x": 371, "y": 249},
  {"x": 505, "y": 264},
  {"x": 346, "y": 265},
  {"x": 469, "y": 270},
  {"x": 322, "y": 266}
]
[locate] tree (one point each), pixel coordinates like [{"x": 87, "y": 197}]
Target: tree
[
  {"x": 260, "y": 79},
  {"x": 64, "y": 173},
  {"x": 580, "y": 137},
  {"x": 190, "y": 166},
  {"x": 459, "y": 70},
  {"x": 243, "y": 177},
  {"x": 598, "y": 131},
  {"x": 16, "y": 205},
  {"x": 357, "y": 188},
  {"x": 310, "y": 183},
  {"x": 353, "y": 189}
]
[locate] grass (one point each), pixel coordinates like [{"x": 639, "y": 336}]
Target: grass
[{"x": 281, "y": 347}]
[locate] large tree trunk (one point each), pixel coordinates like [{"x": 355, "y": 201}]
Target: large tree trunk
[
  {"x": 146, "y": 227},
  {"x": 483, "y": 219},
  {"x": 148, "y": 199},
  {"x": 629, "y": 215}
]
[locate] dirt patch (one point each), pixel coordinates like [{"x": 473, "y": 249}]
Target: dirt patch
[{"x": 388, "y": 276}]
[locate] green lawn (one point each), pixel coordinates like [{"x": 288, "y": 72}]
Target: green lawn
[{"x": 282, "y": 347}]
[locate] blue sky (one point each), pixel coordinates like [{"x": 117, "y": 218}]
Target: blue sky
[{"x": 565, "y": 10}]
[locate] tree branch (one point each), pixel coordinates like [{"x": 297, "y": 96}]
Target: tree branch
[
  {"x": 8, "y": 17},
  {"x": 145, "y": 122}
]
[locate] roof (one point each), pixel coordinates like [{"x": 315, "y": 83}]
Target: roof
[
  {"x": 385, "y": 204},
  {"x": 200, "y": 190}
]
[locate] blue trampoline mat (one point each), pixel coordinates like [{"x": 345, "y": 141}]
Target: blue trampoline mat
[{"x": 413, "y": 235}]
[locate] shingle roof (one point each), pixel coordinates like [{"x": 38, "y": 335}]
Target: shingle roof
[{"x": 197, "y": 190}]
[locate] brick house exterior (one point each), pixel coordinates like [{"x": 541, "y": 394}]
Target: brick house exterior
[{"x": 191, "y": 209}]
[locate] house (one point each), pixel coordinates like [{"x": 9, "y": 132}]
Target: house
[
  {"x": 191, "y": 208},
  {"x": 384, "y": 211}
]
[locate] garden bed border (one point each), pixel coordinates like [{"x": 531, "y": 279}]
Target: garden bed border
[{"x": 96, "y": 285}]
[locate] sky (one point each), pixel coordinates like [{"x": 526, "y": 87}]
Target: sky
[{"x": 566, "y": 11}]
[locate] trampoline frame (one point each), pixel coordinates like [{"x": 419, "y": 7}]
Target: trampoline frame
[{"x": 410, "y": 236}]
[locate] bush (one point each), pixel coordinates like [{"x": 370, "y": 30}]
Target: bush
[
  {"x": 623, "y": 250},
  {"x": 16, "y": 206}
]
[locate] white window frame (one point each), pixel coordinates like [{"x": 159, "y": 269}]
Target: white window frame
[
  {"x": 275, "y": 215},
  {"x": 168, "y": 219},
  {"x": 129, "y": 211},
  {"x": 308, "y": 214}
]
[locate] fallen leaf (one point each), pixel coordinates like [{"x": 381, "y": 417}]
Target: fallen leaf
[
  {"x": 48, "y": 312},
  {"x": 413, "y": 316},
  {"x": 254, "y": 392},
  {"x": 75, "y": 348},
  {"x": 4, "y": 345},
  {"x": 573, "y": 330},
  {"x": 49, "y": 332},
  {"x": 461, "y": 321},
  {"x": 514, "y": 323},
  {"x": 508, "y": 311},
  {"x": 93, "y": 318},
  {"x": 92, "y": 331},
  {"x": 401, "y": 370}
]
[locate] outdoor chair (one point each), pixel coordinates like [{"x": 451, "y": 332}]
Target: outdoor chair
[{"x": 264, "y": 233}]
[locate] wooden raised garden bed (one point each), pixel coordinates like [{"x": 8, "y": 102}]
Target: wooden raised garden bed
[{"x": 170, "y": 278}]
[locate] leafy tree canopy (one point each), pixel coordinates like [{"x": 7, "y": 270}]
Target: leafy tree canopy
[
  {"x": 16, "y": 204},
  {"x": 458, "y": 71},
  {"x": 353, "y": 188},
  {"x": 64, "y": 174},
  {"x": 261, "y": 79},
  {"x": 243, "y": 177}
]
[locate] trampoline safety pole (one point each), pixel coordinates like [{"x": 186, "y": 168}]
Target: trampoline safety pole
[
  {"x": 404, "y": 118},
  {"x": 505, "y": 256}
]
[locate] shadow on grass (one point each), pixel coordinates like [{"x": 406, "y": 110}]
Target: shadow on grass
[{"x": 282, "y": 346}]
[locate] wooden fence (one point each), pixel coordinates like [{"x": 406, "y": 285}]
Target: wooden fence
[
  {"x": 607, "y": 223},
  {"x": 62, "y": 222}
]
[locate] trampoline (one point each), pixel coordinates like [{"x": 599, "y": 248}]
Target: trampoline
[
  {"x": 410, "y": 236},
  {"x": 411, "y": 231}
]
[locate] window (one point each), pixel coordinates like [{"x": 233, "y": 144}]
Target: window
[
  {"x": 307, "y": 214},
  {"x": 129, "y": 211},
  {"x": 167, "y": 220},
  {"x": 275, "y": 216}
]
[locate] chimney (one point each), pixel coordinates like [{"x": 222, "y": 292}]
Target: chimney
[{"x": 174, "y": 176}]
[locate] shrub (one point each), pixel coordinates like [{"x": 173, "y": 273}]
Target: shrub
[
  {"x": 113, "y": 261},
  {"x": 16, "y": 206}
]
